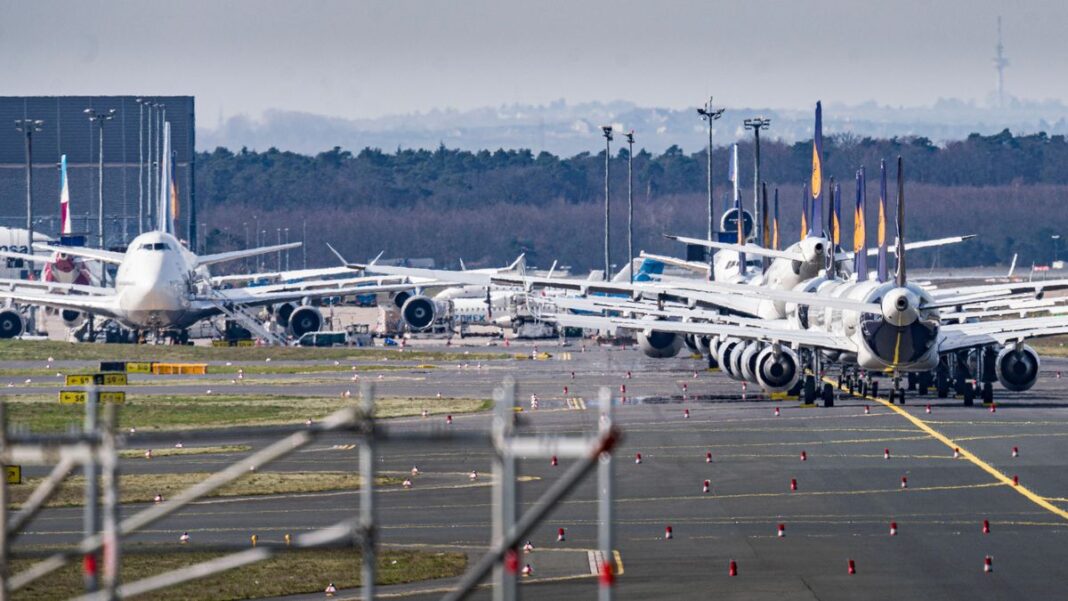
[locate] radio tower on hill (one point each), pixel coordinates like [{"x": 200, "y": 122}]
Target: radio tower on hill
[{"x": 1000, "y": 62}]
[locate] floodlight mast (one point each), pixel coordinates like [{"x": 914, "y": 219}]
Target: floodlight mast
[
  {"x": 756, "y": 124},
  {"x": 607, "y": 132},
  {"x": 710, "y": 114}
]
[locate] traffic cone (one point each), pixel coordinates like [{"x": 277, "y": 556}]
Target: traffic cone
[
  {"x": 448, "y": 420},
  {"x": 993, "y": 408},
  {"x": 560, "y": 535},
  {"x": 694, "y": 375},
  {"x": 852, "y": 567},
  {"x": 986, "y": 526},
  {"x": 527, "y": 570},
  {"x": 867, "y": 410},
  {"x": 707, "y": 486},
  {"x": 572, "y": 375},
  {"x": 565, "y": 390},
  {"x": 1015, "y": 451},
  {"x": 776, "y": 412},
  {"x": 637, "y": 458},
  {"x": 628, "y": 374},
  {"x": 886, "y": 453},
  {"x": 528, "y": 547},
  {"x": 553, "y": 462},
  {"x": 732, "y": 570},
  {"x": 668, "y": 534},
  {"x": 473, "y": 475},
  {"x": 956, "y": 452},
  {"x": 686, "y": 414},
  {"x": 425, "y": 413},
  {"x": 804, "y": 456},
  {"x": 904, "y": 482},
  {"x": 782, "y": 530},
  {"x": 928, "y": 409},
  {"x": 893, "y": 528},
  {"x": 607, "y": 577},
  {"x": 407, "y": 483},
  {"x": 685, "y": 388},
  {"x": 1015, "y": 480},
  {"x": 415, "y": 471},
  {"x": 622, "y": 389},
  {"x": 708, "y": 457},
  {"x": 148, "y": 454},
  {"x": 793, "y": 484},
  {"x": 988, "y": 564}
]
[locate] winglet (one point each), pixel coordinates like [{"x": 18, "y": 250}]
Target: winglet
[{"x": 337, "y": 254}]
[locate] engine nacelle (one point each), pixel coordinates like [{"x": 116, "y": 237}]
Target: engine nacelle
[
  {"x": 777, "y": 371},
  {"x": 724, "y": 352},
  {"x": 747, "y": 362},
  {"x": 419, "y": 312},
  {"x": 305, "y": 319},
  {"x": 72, "y": 318},
  {"x": 691, "y": 344},
  {"x": 736, "y": 360},
  {"x": 659, "y": 345},
  {"x": 283, "y": 312},
  {"x": 399, "y": 298},
  {"x": 11, "y": 323},
  {"x": 1017, "y": 367}
]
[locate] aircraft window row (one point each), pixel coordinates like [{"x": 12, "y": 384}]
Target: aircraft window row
[{"x": 155, "y": 246}]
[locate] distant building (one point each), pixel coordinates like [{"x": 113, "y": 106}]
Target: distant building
[{"x": 67, "y": 129}]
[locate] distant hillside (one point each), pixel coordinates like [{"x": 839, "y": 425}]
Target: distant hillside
[{"x": 485, "y": 207}]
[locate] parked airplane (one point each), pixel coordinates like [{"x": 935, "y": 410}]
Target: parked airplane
[{"x": 160, "y": 284}]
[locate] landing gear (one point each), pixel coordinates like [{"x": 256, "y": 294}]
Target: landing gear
[
  {"x": 810, "y": 390},
  {"x": 969, "y": 394},
  {"x": 874, "y": 387},
  {"x": 942, "y": 378},
  {"x": 912, "y": 380},
  {"x": 988, "y": 393},
  {"x": 923, "y": 383},
  {"x": 828, "y": 395}
]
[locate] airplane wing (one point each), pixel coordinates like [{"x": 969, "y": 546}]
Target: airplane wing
[
  {"x": 50, "y": 287},
  {"x": 252, "y": 297},
  {"x": 234, "y": 255},
  {"x": 283, "y": 276},
  {"x": 101, "y": 305},
  {"x": 108, "y": 256},
  {"x": 694, "y": 266},
  {"x": 1037, "y": 288},
  {"x": 892, "y": 247},
  {"x": 8, "y": 254},
  {"x": 823, "y": 340},
  {"x": 743, "y": 248},
  {"x": 968, "y": 335}
]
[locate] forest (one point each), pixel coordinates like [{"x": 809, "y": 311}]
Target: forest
[{"x": 485, "y": 207}]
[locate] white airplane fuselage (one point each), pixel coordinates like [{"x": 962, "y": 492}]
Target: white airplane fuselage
[{"x": 154, "y": 283}]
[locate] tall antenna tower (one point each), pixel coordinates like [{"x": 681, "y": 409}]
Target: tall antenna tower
[{"x": 1000, "y": 62}]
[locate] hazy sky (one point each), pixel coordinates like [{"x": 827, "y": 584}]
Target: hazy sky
[{"x": 365, "y": 59}]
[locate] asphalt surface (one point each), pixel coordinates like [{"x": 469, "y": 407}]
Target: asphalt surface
[{"x": 847, "y": 496}]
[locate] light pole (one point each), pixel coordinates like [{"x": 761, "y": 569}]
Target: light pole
[
  {"x": 710, "y": 114},
  {"x": 29, "y": 127},
  {"x": 99, "y": 119},
  {"x": 756, "y": 124},
  {"x": 630, "y": 203},
  {"x": 286, "y": 230},
  {"x": 607, "y": 130},
  {"x": 278, "y": 255},
  {"x": 140, "y": 165}
]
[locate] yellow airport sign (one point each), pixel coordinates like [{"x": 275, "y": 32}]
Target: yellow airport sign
[
  {"x": 104, "y": 379},
  {"x": 78, "y": 397},
  {"x": 14, "y": 474},
  {"x": 138, "y": 367}
]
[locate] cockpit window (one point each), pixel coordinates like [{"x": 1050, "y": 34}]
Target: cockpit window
[{"x": 155, "y": 246}]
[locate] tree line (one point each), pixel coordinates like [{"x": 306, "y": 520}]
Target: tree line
[{"x": 487, "y": 206}]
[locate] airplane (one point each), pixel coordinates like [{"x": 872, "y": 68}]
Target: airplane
[
  {"x": 161, "y": 285},
  {"x": 60, "y": 267}
]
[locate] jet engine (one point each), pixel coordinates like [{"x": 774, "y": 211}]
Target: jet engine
[
  {"x": 72, "y": 318},
  {"x": 777, "y": 371},
  {"x": 305, "y": 319},
  {"x": 736, "y": 360},
  {"x": 659, "y": 345},
  {"x": 724, "y": 352},
  {"x": 283, "y": 312},
  {"x": 691, "y": 344},
  {"x": 11, "y": 323},
  {"x": 399, "y": 298},
  {"x": 1017, "y": 367},
  {"x": 747, "y": 362},
  {"x": 419, "y": 312}
]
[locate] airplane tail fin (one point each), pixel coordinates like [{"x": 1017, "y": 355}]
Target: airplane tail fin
[
  {"x": 860, "y": 233},
  {"x": 66, "y": 227},
  {"x": 884, "y": 267},
  {"x": 168, "y": 201},
  {"x": 901, "y": 275},
  {"x": 646, "y": 269},
  {"x": 1012, "y": 267}
]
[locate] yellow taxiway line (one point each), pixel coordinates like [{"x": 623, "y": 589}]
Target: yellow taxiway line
[{"x": 966, "y": 454}]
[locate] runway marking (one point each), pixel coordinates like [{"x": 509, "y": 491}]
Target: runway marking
[{"x": 986, "y": 467}]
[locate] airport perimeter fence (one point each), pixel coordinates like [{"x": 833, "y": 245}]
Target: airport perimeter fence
[{"x": 96, "y": 450}]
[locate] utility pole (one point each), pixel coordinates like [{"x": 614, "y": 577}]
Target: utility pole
[
  {"x": 99, "y": 119},
  {"x": 140, "y": 165},
  {"x": 29, "y": 127},
  {"x": 630, "y": 203},
  {"x": 756, "y": 124},
  {"x": 710, "y": 114},
  {"x": 286, "y": 230},
  {"x": 607, "y": 129},
  {"x": 1000, "y": 62}
]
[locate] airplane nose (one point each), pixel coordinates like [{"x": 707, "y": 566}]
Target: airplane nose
[{"x": 150, "y": 298}]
